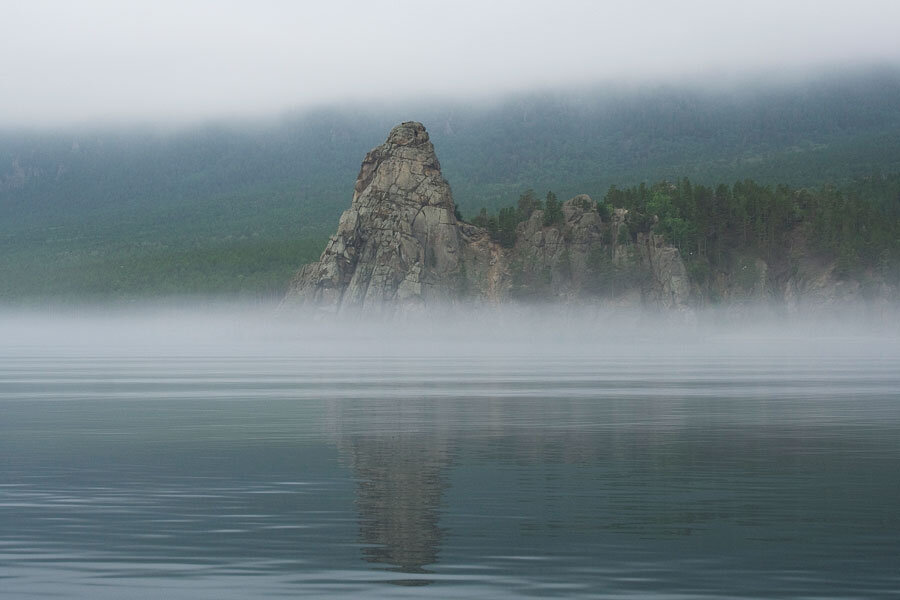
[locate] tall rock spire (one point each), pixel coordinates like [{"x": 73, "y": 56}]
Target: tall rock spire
[{"x": 398, "y": 244}]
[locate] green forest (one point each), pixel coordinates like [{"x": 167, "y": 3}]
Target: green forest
[{"x": 236, "y": 208}]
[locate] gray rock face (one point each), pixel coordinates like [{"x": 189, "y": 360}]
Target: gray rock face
[
  {"x": 556, "y": 261},
  {"x": 398, "y": 245},
  {"x": 669, "y": 287}
]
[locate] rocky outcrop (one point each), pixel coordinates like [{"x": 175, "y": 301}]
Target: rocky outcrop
[
  {"x": 555, "y": 261},
  {"x": 400, "y": 246},
  {"x": 583, "y": 258}
]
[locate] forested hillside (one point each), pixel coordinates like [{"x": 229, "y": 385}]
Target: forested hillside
[
  {"x": 237, "y": 207},
  {"x": 723, "y": 232}
]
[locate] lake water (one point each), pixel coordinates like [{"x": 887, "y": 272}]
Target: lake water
[{"x": 136, "y": 462}]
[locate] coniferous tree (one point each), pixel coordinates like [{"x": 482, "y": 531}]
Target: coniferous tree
[
  {"x": 528, "y": 203},
  {"x": 553, "y": 214}
]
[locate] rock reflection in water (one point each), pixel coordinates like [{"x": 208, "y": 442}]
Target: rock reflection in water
[{"x": 401, "y": 479}]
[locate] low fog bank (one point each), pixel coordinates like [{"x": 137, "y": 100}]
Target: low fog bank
[
  {"x": 180, "y": 61},
  {"x": 222, "y": 329}
]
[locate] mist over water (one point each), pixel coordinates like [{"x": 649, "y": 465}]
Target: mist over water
[
  {"x": 242, "y": 451},
  {"x": 221, "y": 327}
]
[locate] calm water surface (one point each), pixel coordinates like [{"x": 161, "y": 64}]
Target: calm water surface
[{"x": 570, "y": 470}]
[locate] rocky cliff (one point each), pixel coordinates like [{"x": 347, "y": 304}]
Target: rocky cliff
[
  {"x": 400, "y": 246},
  {"x": 799, "y": 280}
]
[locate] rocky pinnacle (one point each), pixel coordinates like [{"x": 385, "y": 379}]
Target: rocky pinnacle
[{"x": 397, "y": 245}]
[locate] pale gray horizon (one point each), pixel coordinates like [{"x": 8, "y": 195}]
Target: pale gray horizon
[{"x": 109, "y": 61}]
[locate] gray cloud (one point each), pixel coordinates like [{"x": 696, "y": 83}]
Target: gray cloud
[{"x": 63, "y": 62}]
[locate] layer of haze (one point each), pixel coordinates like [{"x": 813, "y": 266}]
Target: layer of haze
[
  {"x": 104, "y": 60},
  {"x": 554, "y": 332}
]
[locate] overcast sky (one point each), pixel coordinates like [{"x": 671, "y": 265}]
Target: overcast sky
[{"x": 85, "y": 60}]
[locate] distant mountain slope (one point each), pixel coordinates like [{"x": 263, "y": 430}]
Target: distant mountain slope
[{"x": 86, "y": 212}]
